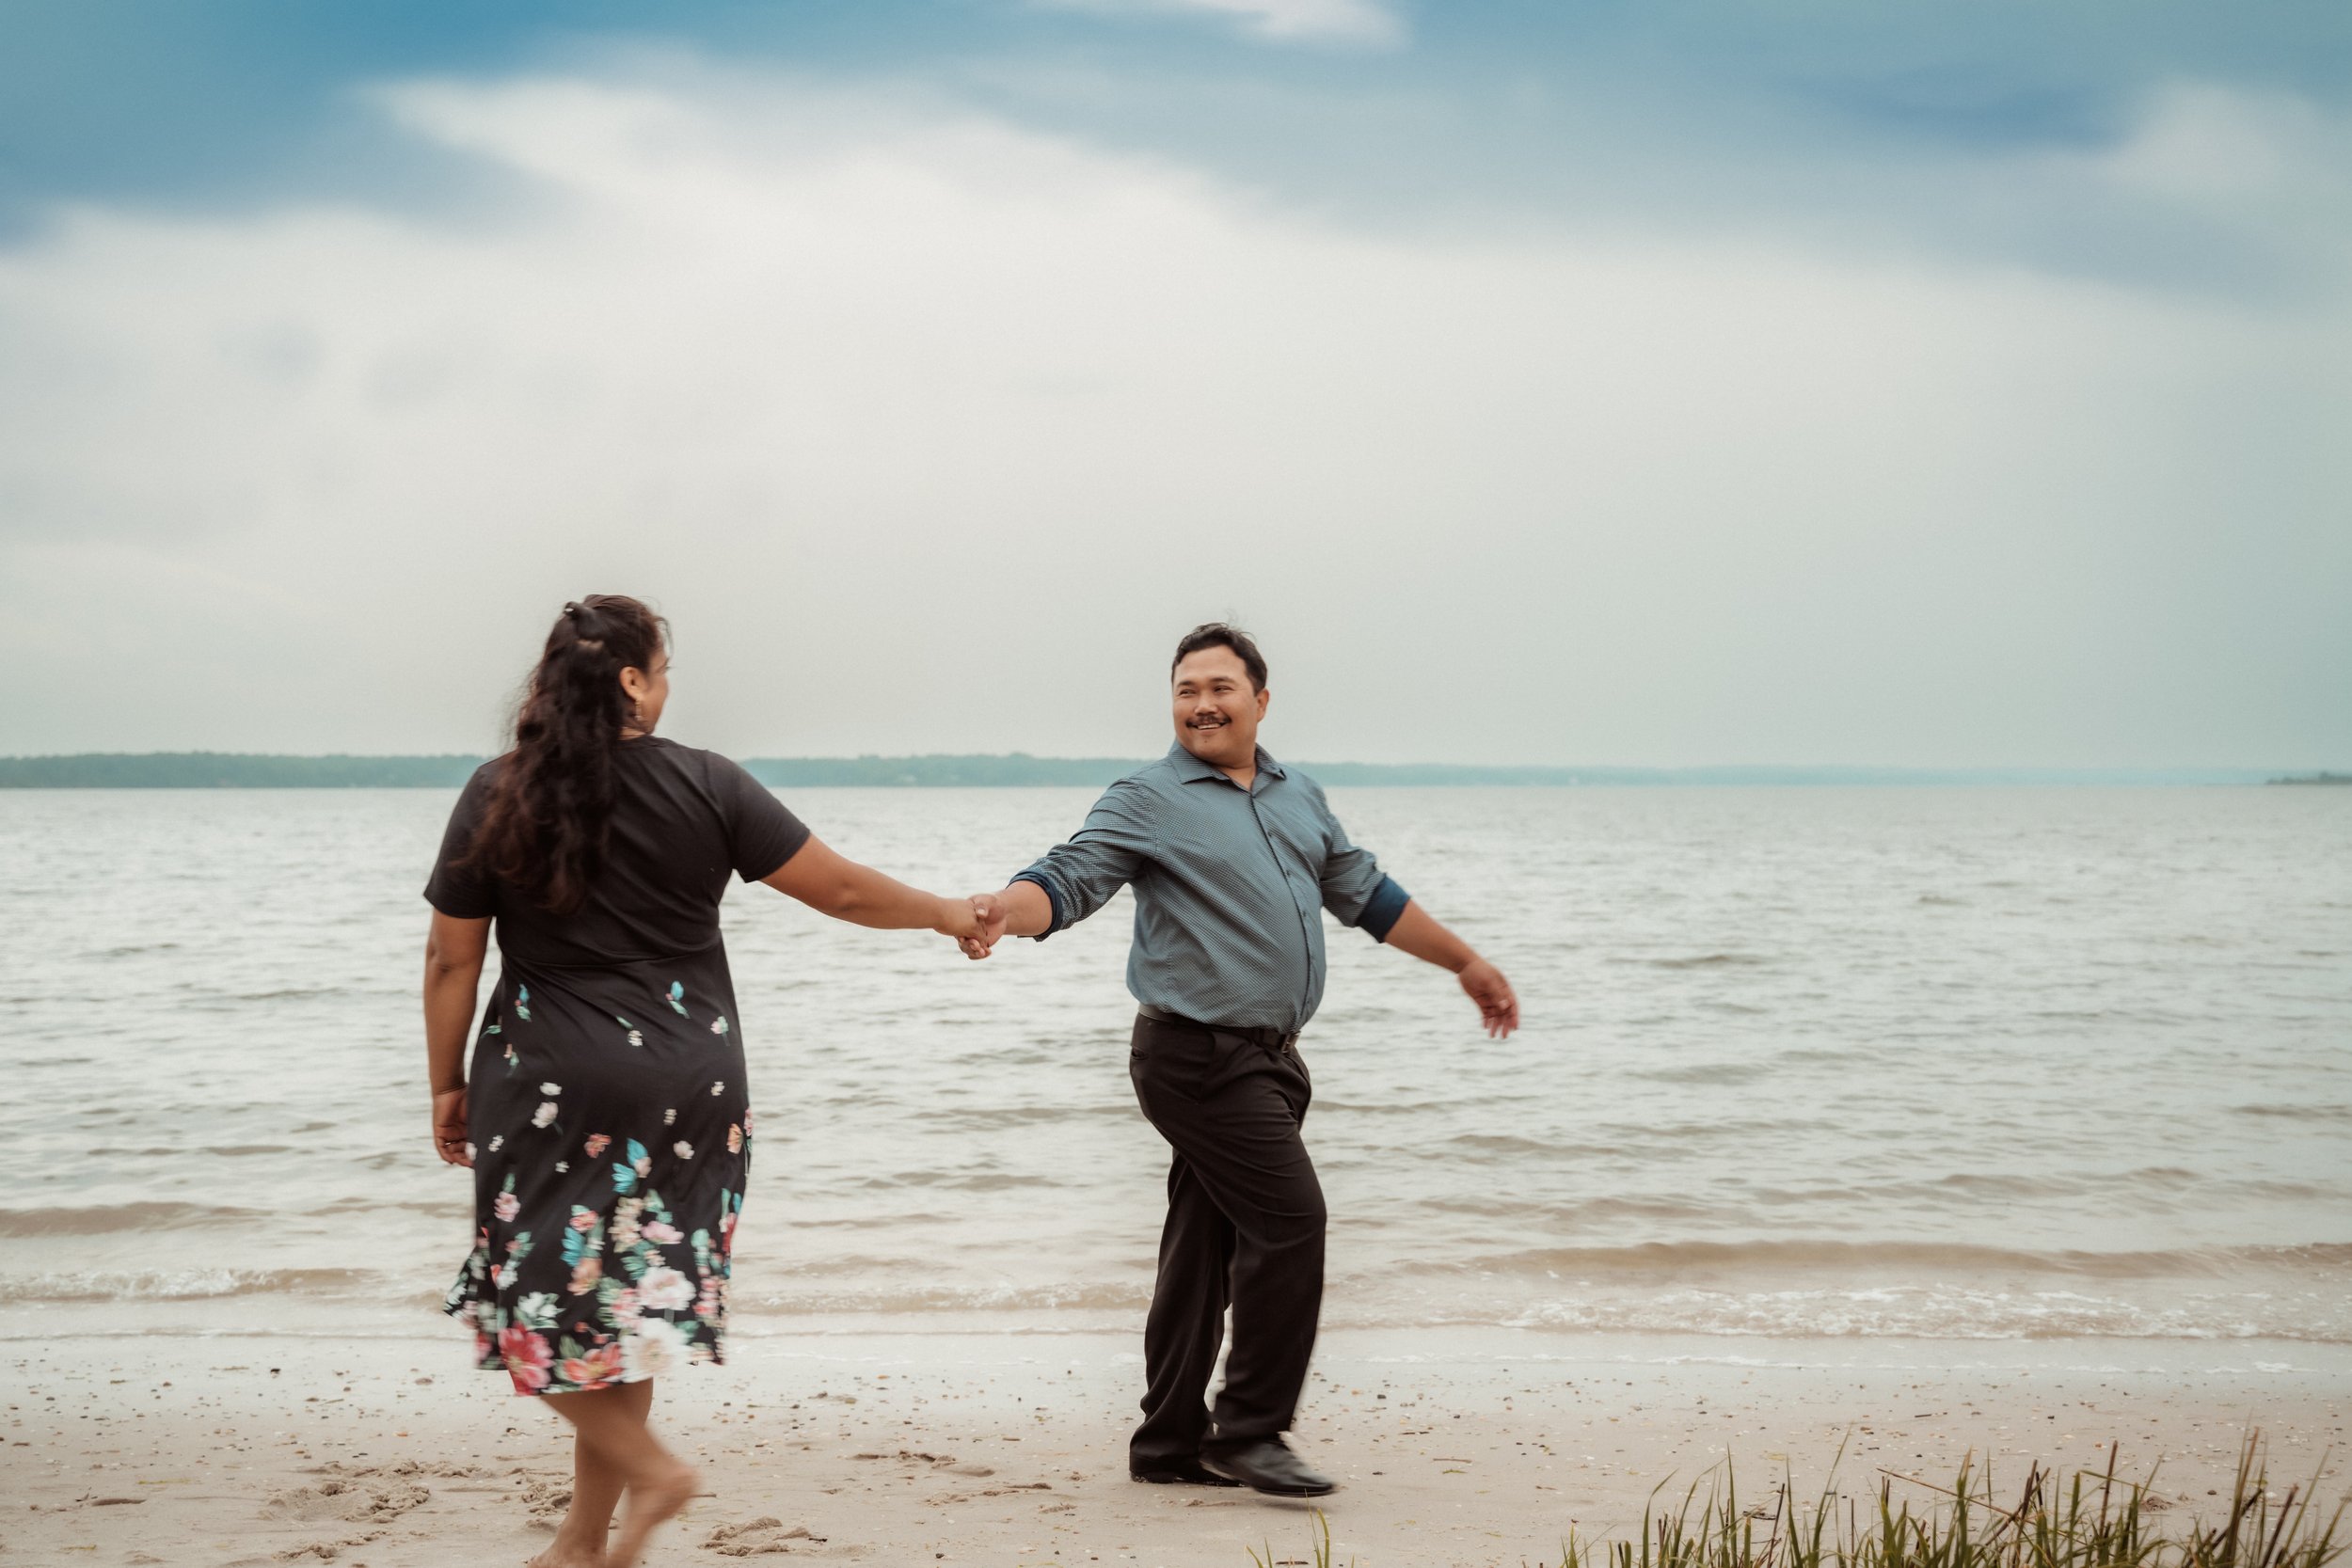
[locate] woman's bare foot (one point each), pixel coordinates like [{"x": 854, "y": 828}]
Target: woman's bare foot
[
  {"x": 651, "y": 1504},
  {"x": 562, "y": 1555}
]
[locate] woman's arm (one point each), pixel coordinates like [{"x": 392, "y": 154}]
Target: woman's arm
[
  {"x": 835, "y": 885},
  {"x": 453, "y": 982}
]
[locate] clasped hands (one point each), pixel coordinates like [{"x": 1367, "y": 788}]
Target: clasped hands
[{"x": 977, "y": 923}]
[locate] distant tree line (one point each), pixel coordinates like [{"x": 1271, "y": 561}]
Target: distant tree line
[
  {"x": 248, "y": 770},
  {"x": 936, "y": 772},
  {"x": 233, "y": 770}
]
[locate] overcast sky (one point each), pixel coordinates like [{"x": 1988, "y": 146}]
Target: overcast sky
[{"x": 1669, "y": 382}]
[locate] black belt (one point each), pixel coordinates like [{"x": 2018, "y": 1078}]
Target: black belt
[{"x": 1270, "y": 1039}]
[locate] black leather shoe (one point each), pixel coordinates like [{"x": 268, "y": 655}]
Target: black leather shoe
[
  {"x": 1180, "y": 1472},
  {"x": 1268, "y": 1466}
]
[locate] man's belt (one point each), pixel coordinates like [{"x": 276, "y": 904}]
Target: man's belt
[{"x": 1268, "y": 1039}]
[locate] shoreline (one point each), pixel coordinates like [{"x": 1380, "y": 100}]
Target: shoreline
[
  {"x": 419, "y": 1325},
  {"x": 980, "y": 1448}
]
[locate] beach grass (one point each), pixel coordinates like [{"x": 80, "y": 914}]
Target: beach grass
[{"x": 2056, "y": 1518}]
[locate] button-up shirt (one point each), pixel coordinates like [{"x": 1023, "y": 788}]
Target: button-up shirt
[{"x": 1229, "y": 883}]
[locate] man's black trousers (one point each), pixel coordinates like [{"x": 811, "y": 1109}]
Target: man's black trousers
[{"x": 1245, "y": 1229}]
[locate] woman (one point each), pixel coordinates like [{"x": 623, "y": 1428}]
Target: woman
[{"x": 606, "y": 1119}]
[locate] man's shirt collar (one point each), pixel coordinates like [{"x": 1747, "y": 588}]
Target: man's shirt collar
[{"x": 1191, "y": 770}]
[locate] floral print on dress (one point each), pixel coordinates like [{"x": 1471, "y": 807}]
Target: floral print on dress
[
  {"x": 652, "y": 1309},
  {"x": 606, "y": 1211},
  {"x": 641, "y": 1297}
]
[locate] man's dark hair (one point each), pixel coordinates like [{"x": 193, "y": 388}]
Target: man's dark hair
[{"x": 1217, "y": 633}]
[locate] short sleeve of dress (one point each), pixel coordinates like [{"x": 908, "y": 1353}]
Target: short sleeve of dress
[
  {"x": 462, "y": 892},
  {"x": 762, "y": 833}
]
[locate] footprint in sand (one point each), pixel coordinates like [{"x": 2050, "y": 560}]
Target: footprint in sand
[
  {"x": 1005, "y": 1491},
  {"x": 758, "y": 1538},
  {"x": 447, "y": 1469},
  {"x": 941, "y": 1461},
  {"x": 548, "y": 1500},
  {"x": 324, "y": 1551},
  {"x": 337, "y": 1498}
]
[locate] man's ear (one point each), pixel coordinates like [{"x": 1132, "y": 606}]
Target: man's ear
[{"x": 1264, "y": 692}]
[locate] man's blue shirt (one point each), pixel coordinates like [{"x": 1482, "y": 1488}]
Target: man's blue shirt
[{"x": 1229, "y": 885}]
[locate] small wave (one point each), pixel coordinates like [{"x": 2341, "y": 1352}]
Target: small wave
[
  {"x": 1706, "y": 1072},
  {"x": 1065, "y": 1296},
  {"x": 125, "y": 1216},
  {"x": 1964, "y": 1314},
  {"x": 2298, "y": 1113},
  {"x": 439, "y": 1208},
  {"x": 170, "y": 1151},
  {"x": 180, "y": 1284},
  {"x": 994, "y": 1119},
  {"x": 978, "y": 1181},
  {"x": 1665, "y": 1260},
  {"x": 1705, "y": 960},
  {"x": 1514, "y": 1144},
  {"x": 2004, "y": 1184},
  {"x": 1591, "y": 1212}
]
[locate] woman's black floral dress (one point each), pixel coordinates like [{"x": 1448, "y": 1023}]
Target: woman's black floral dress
[{"x": 611, "y": 1127}]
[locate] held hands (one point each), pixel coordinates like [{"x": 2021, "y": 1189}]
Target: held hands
[
  {"x": 994, "y": 914},
  {"x": 974, "y": 923},
  {"x": 1497, "y": 1006},
  {"x": 449, "y": 1127}
]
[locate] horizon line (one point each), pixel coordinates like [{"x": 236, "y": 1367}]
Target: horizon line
[{"x": 216, "y": 770}]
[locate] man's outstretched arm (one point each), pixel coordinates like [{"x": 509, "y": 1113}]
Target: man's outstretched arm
[
  {"x": 1076, "y": 879},
  {"x": 1021, "y": 910},
  {"x": 1417, "y": 932}
]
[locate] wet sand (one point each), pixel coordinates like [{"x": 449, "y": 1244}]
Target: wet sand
[{"x": 1453, "y": 1449}]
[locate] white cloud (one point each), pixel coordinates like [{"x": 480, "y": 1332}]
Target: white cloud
[
  {"x": 1350, "y": 21},
  {"x": 931, "y": 431}
]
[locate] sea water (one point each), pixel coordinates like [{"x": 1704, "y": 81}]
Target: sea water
[{"x": 1956, "y": 1064}]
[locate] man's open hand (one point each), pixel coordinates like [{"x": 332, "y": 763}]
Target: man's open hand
[{"x": 1486, "y": 986}]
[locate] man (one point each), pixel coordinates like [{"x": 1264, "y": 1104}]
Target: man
[{"x": 1233, "y": 857}]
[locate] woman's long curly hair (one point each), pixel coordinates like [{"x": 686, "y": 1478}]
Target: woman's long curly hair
[{"x": 549, "y": 814}]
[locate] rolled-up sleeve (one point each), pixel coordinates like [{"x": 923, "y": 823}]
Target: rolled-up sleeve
[
  {"x": 1355, "y": 889},
  {"x": 1104, "y": 855},
  {"x": 1380, "y": 911}
]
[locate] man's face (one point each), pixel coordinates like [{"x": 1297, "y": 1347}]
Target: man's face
[{"x": 1216, "y": 713}]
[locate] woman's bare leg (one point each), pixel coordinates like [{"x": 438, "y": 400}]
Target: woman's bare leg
[
  {"x": 596, "y": 1488},
  {"x": 610, "y": 1433}
]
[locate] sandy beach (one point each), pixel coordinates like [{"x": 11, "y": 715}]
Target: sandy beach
[
  {"x": 1717, "y": 1202},
  {"x": 1455, "y": 1449}
]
